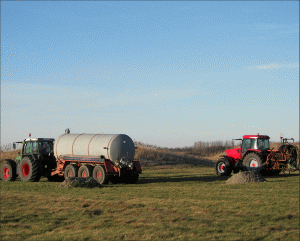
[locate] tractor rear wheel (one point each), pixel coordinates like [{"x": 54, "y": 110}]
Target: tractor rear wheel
[
  {"x": 100, "y": 175},
  {"x": 223, "y": 167},
  {"x": 253, "y": 162},
  {"x": 8, "y": 171},
  {"x": 71, "y": 171},
  {"x": 85, "y": 171},
  {"x": 29, "y": 169}
]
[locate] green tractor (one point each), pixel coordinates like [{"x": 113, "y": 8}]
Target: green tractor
[{"x": 35, "y": 160}]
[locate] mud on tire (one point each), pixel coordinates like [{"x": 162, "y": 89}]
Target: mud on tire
[
  {"x": 8, "y": 170},
  {"x": 29, "y": 169}
]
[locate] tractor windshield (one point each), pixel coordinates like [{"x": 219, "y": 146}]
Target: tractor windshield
[{"x": 263, "y": 144}]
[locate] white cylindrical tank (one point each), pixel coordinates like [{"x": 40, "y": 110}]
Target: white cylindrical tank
[{"x": 110, "y": 146}]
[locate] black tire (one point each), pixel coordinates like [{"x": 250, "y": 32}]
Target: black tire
[
  {"x": 9, "y": 170},
  {"x": 85, "y": 171},
  {"x": 100, "y": 175},
  {"x": 253, "y": 162},
  {"x": 71, "y": 170},
  {"x": 223, "y": 167},
  {"x": 55, "y": 178},
  {"x": 29, "y": 169}
]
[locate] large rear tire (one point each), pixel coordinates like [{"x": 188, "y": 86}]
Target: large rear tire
[
  {"x": 8, "y": 170},
  {"x": 85, "y": 171},
  {"x": 29, "y": 169},
  {"x": 253, "y": 162},
  {"x": 223, "y": 167},
  {"x": 100, "y": 175},
  {"x": 71, "y": 170}
]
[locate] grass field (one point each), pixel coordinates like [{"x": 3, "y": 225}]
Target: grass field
[{"x": 168, "y": 203}]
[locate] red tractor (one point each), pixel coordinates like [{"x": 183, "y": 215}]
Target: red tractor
[{"x": 255, "y": 155}]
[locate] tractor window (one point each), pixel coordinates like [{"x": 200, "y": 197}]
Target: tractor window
[
  {"x": 253, "y": 144},
  {"x": 35, "y": 147},
  {"x": 246, "y": 145},
  {"x": 263, "y": 144},
  {"x": 27, "y": 148},
  {"x": 249, "y": 144},
  {"x": 46, "y": 147}
]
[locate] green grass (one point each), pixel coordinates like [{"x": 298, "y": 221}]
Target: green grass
[{"x": 171, "y": 203}]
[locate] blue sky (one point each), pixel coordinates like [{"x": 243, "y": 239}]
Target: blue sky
[{"x": 164, "y": 73}]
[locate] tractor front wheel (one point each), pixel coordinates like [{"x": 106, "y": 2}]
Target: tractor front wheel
[
  {"x": 29, "y": 169},
  {"x": 8, "y": 171},
  {"x": 223, "y": 167},
  {"x": 253, "y": 162}
]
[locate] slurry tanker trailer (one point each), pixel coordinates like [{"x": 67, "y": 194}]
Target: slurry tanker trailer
[{"x": 105, "y": 157}]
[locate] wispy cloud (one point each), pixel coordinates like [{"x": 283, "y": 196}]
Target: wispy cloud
[{"x": 275, "y": 66}]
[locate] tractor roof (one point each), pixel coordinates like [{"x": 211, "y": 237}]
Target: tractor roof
[
  {"x": 256, "y": 137},
  {"x": 39, "y": 139}
]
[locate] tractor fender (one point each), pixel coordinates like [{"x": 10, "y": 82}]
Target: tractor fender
[{"x": 230, "y": 159}]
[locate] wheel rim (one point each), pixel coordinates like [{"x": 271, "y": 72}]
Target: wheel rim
[
  {"x": 25, "y": 169},
  {"x": 70, "y": 174},
  {"x": 222, "y": 167},
  {"x": 83, "y": 174},
  {"x": 99, "y": 175},
  {"x": 6, "y": 172},
  {"x": 253, "y": 164}
]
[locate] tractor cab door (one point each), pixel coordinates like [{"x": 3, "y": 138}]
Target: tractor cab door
[
  {"x": 248, "y": 144},
  {"x": 27, "y": 147}
]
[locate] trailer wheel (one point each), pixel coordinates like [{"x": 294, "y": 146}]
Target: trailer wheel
[
  {"x": 8, "y": 171},
  {"x": 71, "y": 171},
  {"x": 253, "y": 162},
  {"x": 85, "y": 171},
  {"x": 100, "y": 175},
  {"x": 223, "y": 167},
  {"x": 29, "y": 169}
]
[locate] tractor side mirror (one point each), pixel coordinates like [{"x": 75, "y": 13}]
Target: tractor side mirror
[{"x": 14, "y": 146}]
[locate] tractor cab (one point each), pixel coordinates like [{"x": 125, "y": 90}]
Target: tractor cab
[
  {"x": 37, "y": 146},
  {"x": 255, "y": 142}
]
